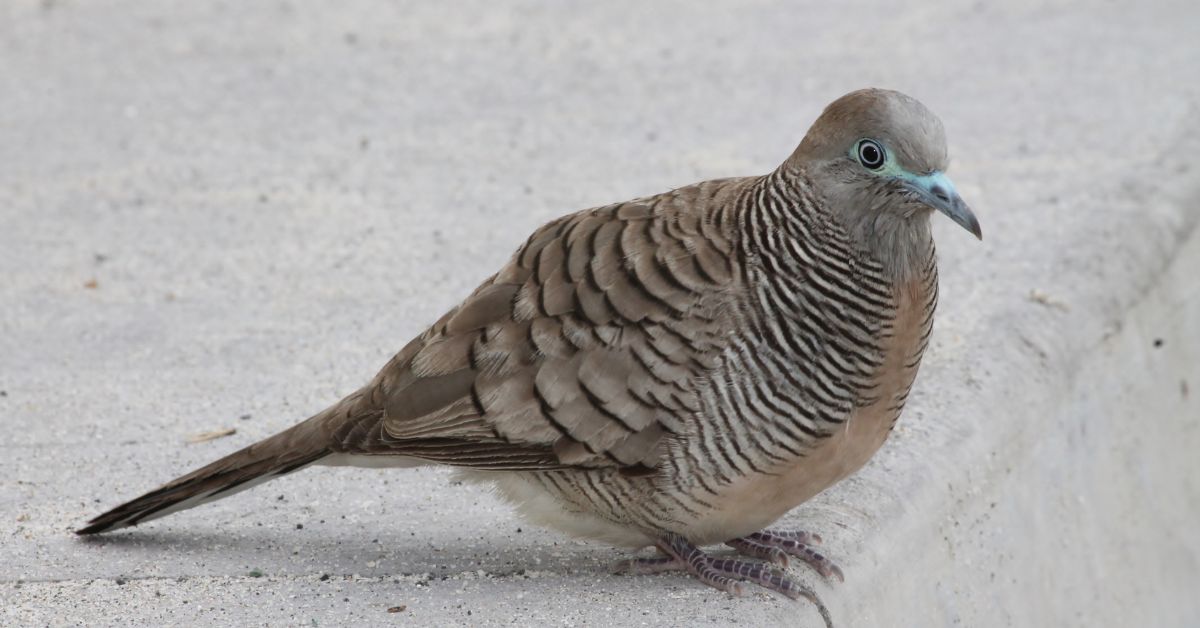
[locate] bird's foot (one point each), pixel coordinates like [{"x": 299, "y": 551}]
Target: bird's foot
[
  {"x": 726, "y": 574},
  {"x": 778, "y": 546}
]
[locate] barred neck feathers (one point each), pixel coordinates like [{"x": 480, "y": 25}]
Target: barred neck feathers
[
  {"x": 787, "y": 226},
  {"x": 899, "y": 241},
  {"x": 797, "y": 252}
]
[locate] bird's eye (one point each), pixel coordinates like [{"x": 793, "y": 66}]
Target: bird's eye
[{"x": 870, "y": 154}]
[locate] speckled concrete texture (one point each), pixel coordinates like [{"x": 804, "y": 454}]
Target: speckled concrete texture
[{"x": 224, "y": 215}]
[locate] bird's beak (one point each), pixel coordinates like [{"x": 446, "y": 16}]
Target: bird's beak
[{"x": 938, "y": 192}]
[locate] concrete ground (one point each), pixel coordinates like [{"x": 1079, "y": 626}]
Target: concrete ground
[{"x": 225, "y": 215}]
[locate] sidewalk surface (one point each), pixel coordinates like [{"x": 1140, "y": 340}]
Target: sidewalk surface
[{"x": 225, "y": 215}]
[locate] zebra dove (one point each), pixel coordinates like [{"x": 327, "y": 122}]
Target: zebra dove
[{"x": 674, "y": 371}]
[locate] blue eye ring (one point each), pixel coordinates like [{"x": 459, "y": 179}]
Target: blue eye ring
[{"x": 871, "y": 154}]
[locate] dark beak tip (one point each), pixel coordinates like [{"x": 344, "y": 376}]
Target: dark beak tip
[
  {"x": 977, "y": 230},
  {"x": 962, "y": 214}
]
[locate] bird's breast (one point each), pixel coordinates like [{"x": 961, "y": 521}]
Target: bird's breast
[
  {"x": 755, "y": 500},
  {"x": 867, "y": 427}
]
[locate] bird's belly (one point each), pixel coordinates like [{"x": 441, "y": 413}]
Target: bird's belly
[
  {"x": 543, "y": 504},
  {"x": 757, "y": 500}
]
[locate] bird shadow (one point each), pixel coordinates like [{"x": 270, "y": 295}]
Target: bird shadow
[{"x": 391, "y": 553}]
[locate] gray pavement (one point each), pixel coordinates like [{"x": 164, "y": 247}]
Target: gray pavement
[{"x": 226, "y": 215}]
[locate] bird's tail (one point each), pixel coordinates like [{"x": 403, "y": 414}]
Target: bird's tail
[{"x": 267, "y": 459}]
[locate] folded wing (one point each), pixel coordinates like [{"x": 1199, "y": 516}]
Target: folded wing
[{"x": 584, "y": 350}]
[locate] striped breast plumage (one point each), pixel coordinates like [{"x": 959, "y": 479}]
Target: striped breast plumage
[{"x": 811, "y": 387}]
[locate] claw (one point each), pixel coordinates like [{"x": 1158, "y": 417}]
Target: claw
[
  {"x": 727, "y": 574},
  {"x": 790, "y": 543}
]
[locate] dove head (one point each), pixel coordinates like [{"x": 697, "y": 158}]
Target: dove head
[{"x": 877, "y": 159}]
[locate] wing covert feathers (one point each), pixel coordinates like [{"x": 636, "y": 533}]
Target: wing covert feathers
[{"x": 582, "y": 351}]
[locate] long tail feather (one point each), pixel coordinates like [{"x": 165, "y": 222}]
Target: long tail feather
[{"x": 267, "y": 459}]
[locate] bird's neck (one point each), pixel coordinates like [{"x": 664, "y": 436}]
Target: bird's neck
[
  {"x": 902, "y": 245},
  {"x": 784, "y": 202}
]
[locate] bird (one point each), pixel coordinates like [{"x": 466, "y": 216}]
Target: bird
[{"x": 674, "y": 371}]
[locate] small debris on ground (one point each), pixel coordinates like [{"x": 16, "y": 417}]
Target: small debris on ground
[
  {"x": 397, "y": 609},
  {"x": 1037, "y": 296},
  {"x": 256, "y": 573},
  {"x": 91, "y": 284},
  {"x": 204, "y": 437}
]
